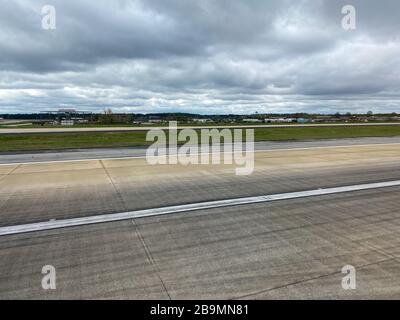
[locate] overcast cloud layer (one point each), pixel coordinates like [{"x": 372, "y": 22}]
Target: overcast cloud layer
[{"x": 201, "y": 56}]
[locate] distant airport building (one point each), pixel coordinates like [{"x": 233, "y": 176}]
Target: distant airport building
[
  {"x": 201, "y": 120},
  {"x": 155, "y": 121},
  {"x": 252, "y": 120},
  {"x": 67, "y": 122},
  {"x": 303, "y": 120},
  {"x": 274, "y": 120},
  {"x": 67, "y": 116}
]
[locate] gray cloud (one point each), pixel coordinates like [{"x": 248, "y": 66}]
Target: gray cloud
[{"x": 204, "y": 56}]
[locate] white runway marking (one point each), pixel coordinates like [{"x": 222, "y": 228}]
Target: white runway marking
[
  {"x": 210, "y": 153},
  {"x": 54, "y": 224}
]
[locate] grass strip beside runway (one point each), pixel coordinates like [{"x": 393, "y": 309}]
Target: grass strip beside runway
[{"x": 59, "y": 141}]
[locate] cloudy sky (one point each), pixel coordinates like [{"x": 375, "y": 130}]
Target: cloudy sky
[{"x": 201, "y": 56}]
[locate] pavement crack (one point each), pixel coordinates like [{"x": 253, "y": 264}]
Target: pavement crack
[
  {"x": 118, "y": 192},
  {"x": 138, "y": 234},
  {"x": 150, "y": 257},
  {"x": 309, "y": 279},
  {"x": 10, "y": 173}
]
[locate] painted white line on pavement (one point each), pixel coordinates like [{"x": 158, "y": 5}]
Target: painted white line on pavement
[
  {"x": 196, "y": 154},
  {"x": 56, "y": 224}
]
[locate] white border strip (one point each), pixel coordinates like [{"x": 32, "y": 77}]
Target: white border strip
[
  {"x": 209, "y": 153},
  {"x": 54, "y": 224}
]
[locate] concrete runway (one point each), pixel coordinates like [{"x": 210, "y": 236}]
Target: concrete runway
[
  {"x": 284, "y": 249},
  {"x": 119, "y": 153}
]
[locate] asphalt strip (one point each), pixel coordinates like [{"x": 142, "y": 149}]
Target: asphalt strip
[{"x": 197, "y": 154}]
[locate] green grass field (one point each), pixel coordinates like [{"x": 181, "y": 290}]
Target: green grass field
[{"x": 51, "y": 141}]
